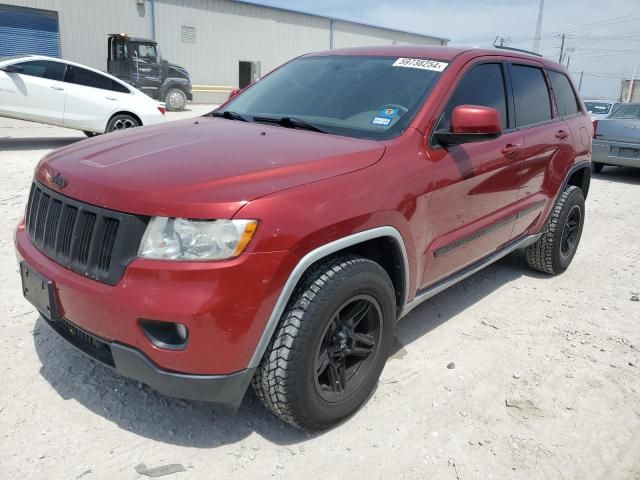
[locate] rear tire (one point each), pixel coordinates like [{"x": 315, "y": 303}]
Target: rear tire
[
  {"x": 331, "y": 344},
  {"x": 175, "y": 99},
  {"x": 596, "y": 167},
  {"x": 122, "y": 121},
  {"x": 555, "y": 249}
]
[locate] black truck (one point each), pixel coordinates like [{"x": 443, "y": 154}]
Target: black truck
[{"x": 137, "y": 61}]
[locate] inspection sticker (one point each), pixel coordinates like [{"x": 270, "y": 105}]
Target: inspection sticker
[
  {"x": 381, "y": 121},
  {"x": 421, "y": 63},
  {"x": 388, "y": 112}
]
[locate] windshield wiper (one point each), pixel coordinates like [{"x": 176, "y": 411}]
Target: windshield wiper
[
  {"x": 229, "y": 115},
  {"x": 290, "y": 122}
]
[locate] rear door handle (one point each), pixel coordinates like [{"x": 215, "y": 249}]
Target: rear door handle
[
  {"x": 562, "y": 134},
  {"x": 511, "y": 149},
  {"x": 56, "y": 87},
  {"x": 111, "y": 98}
]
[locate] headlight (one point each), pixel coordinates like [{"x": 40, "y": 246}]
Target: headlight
[{"x": 181, "y": 239}]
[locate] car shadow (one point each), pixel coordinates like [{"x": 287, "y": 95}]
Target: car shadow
[
  {"x": 137, "y": 408},
  {"x": 13, "y": 144},
  {"x": 461, "y": 296},
  {"x": 627, "y": 175}
]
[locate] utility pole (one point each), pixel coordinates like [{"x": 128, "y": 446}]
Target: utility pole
[
  {"x": 580, "y": 82},
  {"x": 563, "y": 36},
  {"x": 536, "y": 39},
  {"x": 569, "y": 52},
  {"x": 633, "y": 78}
]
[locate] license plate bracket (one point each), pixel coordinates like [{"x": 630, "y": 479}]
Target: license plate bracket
[
  {"x": 39, "y": 291},
  {"x": 628, "y": 152}
]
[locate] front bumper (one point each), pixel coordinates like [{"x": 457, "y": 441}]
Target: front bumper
[
  {"x": 226, "y": 391},
  {"x": 616, "y": 153},
  {"x": 225, "y": 306}
]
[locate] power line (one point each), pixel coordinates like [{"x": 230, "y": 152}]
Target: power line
[{"x": 598, "y": 24}]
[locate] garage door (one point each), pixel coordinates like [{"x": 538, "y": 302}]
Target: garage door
[{"x": 27, "y": 30}]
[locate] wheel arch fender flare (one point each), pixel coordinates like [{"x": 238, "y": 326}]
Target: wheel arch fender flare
[
  {"x": 579, "y": 175},
  {"x": 316, "y": 255}
]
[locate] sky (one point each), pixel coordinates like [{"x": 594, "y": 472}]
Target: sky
[{"x": 602, "y": 36}]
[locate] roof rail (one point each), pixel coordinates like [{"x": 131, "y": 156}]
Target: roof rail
[{"x": 502, "y": 47}]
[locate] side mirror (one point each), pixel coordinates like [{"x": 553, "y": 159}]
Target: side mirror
[
  {"x": 471, "y": 123},
  {"x": 12, "y": 68},
  {"x": 234, "y": 93}
]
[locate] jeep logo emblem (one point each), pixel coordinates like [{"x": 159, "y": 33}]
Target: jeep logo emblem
[{"x": 57, "y": 180}]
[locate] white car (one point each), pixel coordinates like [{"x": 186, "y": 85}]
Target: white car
[
  {"x": 56, "y": 92},
  {"x": 599, "y": 109}
]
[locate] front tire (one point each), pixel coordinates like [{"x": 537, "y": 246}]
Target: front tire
[
  {"x": 555, "y": 249},
  {"x": 120, "y": 122},
  {"x": 89, "y": 134},
  {"x": 175, "y": 99},
  {"x": 331, "y": 344}
]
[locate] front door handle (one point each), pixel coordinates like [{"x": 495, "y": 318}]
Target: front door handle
[
  {"x": 562, "y": 134},
  {"x": 511, "y": 149},
  {"x": 111, "y": 98},
  {"x": 56, "y": 87}
]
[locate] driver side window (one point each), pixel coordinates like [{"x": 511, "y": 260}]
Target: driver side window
[{"x": 484, "y": 86}]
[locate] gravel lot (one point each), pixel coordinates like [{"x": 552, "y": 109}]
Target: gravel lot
[{"x": 546, "y": 381}]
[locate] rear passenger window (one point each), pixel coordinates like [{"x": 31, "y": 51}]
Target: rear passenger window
[
  {"x": 82, "y": 76},
  {"x": 565, "y": 95},
  {"x": 483, "y": 86},
  {"x": 530, "y": 95}
]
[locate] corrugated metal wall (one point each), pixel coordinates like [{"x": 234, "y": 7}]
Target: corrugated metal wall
[
  {"x": 84, "y": 25},
  {"x": 28, "y": 30},
  {"x": 225, "y": 33}
]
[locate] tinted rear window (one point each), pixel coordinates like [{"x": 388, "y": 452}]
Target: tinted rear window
[
  {"x": 565, "y": 96},
  {"x": 484, "y": 86},
  {"x": 627, "y": 111},
  {"x": 530, "y": 94},
  {"x": 82, "y": 76}
]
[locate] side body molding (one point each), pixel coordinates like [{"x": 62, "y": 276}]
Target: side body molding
[{"x": 312, "y": 257}]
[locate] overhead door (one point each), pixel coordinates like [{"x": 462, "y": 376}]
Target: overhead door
[{"x": 27, "y": 30}]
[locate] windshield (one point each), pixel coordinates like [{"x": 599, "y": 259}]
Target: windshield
[
  {"x": 601, "y": 108},
  {"x": 354, "y": 96},
  {"x": 628, "y": 112}
]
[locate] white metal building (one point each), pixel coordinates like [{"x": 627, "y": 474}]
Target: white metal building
[{"x": 220, "y": 42}]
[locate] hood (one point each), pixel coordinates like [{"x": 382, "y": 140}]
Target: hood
[
  {"x": 199, "y": 168},
  {"x": 176, "y": 71}
]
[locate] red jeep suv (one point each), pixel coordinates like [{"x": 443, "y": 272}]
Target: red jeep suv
[{"x": 277, "y": 240}]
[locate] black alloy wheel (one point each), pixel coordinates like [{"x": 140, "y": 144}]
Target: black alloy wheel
[
  {"x": 570, "y": 231},
  {"x": 348, "y": 348}
]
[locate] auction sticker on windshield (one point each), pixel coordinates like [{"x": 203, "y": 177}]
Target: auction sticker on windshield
[{"x": 421, "y": 63}]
